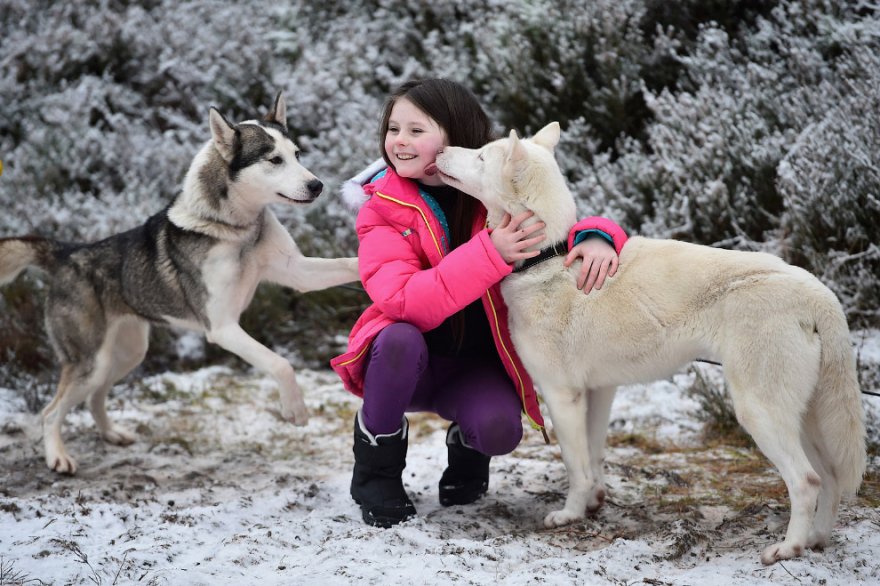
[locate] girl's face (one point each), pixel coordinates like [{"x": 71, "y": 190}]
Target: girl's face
[{"x": 412, "y": 142}]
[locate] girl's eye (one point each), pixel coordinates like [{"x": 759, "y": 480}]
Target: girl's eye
[
  {"x": 417, "y": 131},
  {"x": 278, "y": 160},
  {"x": 392, "y": 129}
]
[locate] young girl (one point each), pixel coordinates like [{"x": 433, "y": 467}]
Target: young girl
[{"x": 436, "y": 338}]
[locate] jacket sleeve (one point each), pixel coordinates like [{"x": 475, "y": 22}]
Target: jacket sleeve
[
  {"x": 604, "y": 226},
  {"x": 394, "y": 276}
]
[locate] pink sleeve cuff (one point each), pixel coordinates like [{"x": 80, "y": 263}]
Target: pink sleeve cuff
[{"x": 604, "y": 225}]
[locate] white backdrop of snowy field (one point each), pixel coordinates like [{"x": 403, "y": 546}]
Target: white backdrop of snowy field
[{"x": 219, "y": 490}]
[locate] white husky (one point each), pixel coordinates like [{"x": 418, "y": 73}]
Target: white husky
[
  {"x": 780, "y": 334},
  {"x": 195, "y": 265}
]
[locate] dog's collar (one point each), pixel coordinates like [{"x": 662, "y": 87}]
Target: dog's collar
[{"x": 558, "y": 249}]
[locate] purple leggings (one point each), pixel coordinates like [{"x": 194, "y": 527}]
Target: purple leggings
[{"x": 476, "y": 393}]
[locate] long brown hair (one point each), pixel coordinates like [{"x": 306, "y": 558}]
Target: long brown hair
[{"x": 457, "y": 111}]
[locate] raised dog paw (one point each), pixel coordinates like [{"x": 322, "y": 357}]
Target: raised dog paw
[
  {"x": 297, "y": 415},
  {"x": 293, "y": 407}
]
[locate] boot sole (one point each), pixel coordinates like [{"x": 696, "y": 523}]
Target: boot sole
[
  {"x": 383, "y": 522},
  {"x": 448, "y": 499}
]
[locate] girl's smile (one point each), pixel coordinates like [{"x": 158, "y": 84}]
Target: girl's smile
[{"x": 412, "y": 142}]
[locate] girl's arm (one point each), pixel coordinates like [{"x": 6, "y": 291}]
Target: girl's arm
[{"x": 392, "y": 273}]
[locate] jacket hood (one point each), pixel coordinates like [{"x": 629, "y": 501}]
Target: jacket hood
[{"x": 352, "y": 190}]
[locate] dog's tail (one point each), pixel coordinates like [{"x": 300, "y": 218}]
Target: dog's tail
[
  {"x": 837, "y": 401},
  {"x": 17, "y": 254}
]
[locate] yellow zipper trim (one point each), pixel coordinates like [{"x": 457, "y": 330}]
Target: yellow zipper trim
[
  {"x": 522, "y": 385},
  {"x": 436, "y": 243},
  {"x": 356, "y": 358},
  {"x": 424, "y": 217}
]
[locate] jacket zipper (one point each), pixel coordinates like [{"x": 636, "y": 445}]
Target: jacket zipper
[{"x": 522, "y": 387}]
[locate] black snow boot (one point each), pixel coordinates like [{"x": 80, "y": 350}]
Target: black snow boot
[
  {"x": 376, "y": 484},
  {"x": 467, "y": 477}
]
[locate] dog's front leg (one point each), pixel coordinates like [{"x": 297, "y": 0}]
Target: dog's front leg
[
  {"x": 598, "y": 415},
  {"x": 568, "y": 412},
  {"x": 234, "y": 339},
  {"x": 306, "y": 273}
]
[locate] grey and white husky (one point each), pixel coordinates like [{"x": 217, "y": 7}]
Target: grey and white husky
[{"x": 194, "y": 265}]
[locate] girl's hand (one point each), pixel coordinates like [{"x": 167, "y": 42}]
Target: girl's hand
[
  {"x": 510, "y": 241},
  {"x": 599, "y": 261}
]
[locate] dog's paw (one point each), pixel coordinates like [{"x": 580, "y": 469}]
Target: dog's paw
[
  {"x": 817, "y": 540},
  {"x": 781, "y": 551},
  {"x": 560, "y": 518},
  {"x": 119, "y": 436},
  {"x": 596, "y": 499},
  {"x": 295, "y": 414},
  {"x": 61, "y": 462}
]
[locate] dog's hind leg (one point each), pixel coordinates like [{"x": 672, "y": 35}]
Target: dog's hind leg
[
  {"x": 234, "y": 339},
  {"x": 76, "y": 383},
  {"x": 123, "y": 349},
  {"x": 829, "y": 496},
  {"x": 568, "y": 412},
  {"x": 53, "y": 416},
  {"x": 598, "y": 414},
  {"x": 776, "y": 428}
]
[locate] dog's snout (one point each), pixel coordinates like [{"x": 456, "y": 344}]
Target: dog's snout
[{"x": 315, "y": 187}]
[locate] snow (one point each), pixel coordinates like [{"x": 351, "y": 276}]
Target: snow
[{"x": 219, "y": 490}]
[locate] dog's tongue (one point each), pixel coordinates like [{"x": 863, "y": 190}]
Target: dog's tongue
[{"x": 431, "y": 169}]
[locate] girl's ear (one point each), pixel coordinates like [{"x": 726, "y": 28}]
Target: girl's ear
[{"x": 548, "y": 137}]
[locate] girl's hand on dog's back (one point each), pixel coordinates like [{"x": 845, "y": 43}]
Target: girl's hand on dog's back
[
  {"x": 511, "y": 241},
  {"x": 599, "y": 261}
]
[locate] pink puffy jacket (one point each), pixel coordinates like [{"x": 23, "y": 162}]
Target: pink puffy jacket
[{"x": 411, "y": 276}]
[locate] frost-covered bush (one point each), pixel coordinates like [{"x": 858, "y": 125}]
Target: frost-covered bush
[
  {"x": 738, "y": 123},
  {"x": 768, "y": 141},
  {"x": 104, "y": 104},
  {"x": 830, "y": 182}
]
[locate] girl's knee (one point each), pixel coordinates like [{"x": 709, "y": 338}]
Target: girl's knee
[
  {"x": 400, "y": 342},
  {"x": 496, "y": 435}
]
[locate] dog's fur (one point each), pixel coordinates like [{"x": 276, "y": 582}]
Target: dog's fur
[
  {"x": 194, "y": 265},
  {"x": 780, "y": 334}
]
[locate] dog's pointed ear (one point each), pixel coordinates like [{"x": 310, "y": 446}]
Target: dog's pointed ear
[
  {"x": 279, "y": 111},
  {"x": 223, "y": 134},
  {"x": 516, "y": 157},
  {"x": 548, "y": 137}
]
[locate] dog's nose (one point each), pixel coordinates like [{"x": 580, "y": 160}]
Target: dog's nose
[{"x": 315, "y": 187}]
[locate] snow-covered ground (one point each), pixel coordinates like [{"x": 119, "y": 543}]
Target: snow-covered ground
[{"x": 218, "y": 490}]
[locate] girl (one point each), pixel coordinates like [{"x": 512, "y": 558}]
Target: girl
[{"x": 435, "y": 338}]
